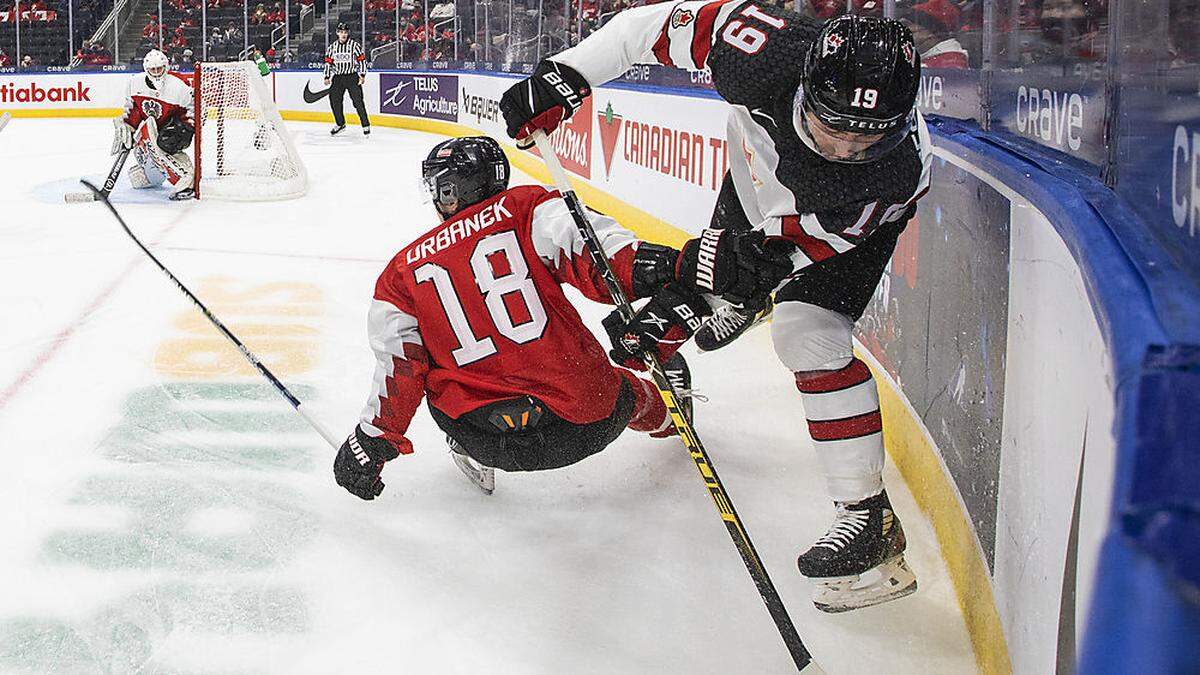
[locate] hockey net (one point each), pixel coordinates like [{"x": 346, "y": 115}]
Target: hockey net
[{"x": 243, "y": 150}]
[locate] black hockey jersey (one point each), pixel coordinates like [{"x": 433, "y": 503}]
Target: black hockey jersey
[{"x": 756, "y": 56}]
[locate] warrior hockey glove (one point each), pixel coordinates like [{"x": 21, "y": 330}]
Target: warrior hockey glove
[
  {"x": 122, "y": 136},
  {"x": 660, "y": 327},
  {"x": 542, "y": 101},
  {"x": 360, "y": 461},
  {"x": 738, "y": 265}
]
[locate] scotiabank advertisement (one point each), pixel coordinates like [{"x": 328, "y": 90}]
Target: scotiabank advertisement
[{"x": 58, "y": 90}]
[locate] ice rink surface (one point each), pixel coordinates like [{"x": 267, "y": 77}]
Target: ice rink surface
[{"x": 163, "y": 510}]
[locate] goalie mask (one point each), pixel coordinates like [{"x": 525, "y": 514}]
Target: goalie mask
[
  {"x": 156, "y": 64},
  {"x": 856, "y": 101},
  {"x": 464, "y": 171}
]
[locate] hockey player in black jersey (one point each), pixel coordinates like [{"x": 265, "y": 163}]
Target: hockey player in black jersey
[{"x": 835, "y": 158}]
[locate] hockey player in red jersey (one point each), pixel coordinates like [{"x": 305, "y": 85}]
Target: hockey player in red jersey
[
  {"x": 472, "y": 317},
  {"x": 833, "y": 158},
  {"x": 157, "y": 126}
]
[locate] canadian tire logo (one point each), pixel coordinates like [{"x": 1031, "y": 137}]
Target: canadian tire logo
[{"x": 610, "y": 133}]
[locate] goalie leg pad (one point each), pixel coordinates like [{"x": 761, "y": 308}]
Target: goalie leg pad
[
  {"x": 177, "y": 168},
  {"x": 143, "y": 173}
]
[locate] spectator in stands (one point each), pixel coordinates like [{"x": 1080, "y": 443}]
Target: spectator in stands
[
  {"x": 276, "y": 15},
  {"x": 260, "y": 14},
  {"x": 5, "y": 62},
  {"x": 27, "y": 62},
  {"x": 933, "y": 23},
  {"x": 151, "y": 29},
  {"x": 233, "y": 34}
]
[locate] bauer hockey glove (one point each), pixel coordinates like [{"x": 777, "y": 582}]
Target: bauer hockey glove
[
  {"x": 122, "y": 136},
  {"x": 660, "y": 327},
  {"x": 543, "y": 100},
  {"x": 740, "y": 266},
  {"x": 360, "y": 461}
]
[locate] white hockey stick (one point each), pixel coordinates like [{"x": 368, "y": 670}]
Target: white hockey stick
[{"x": 4, "y": 119}]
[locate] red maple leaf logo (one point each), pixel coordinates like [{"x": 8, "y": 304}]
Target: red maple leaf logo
[
  {"x": 833, "y": 42},
  {"x": 681, "y": 18}
]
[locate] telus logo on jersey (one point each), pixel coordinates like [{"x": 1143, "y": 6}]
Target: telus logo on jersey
[
  {"x": 32, "y": 93},
  {"x": 457, "y": 230}
]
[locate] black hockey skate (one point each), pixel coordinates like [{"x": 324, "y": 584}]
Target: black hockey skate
[
  {"x": 859, "y": 562},
  {"x": 337, "y": 130},
  {"x": 183, "y": 195},
  {"x": 482, "y": 477},
  {"x": 729, "y": 322}
]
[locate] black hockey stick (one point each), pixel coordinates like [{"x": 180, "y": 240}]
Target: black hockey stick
[
  {"x": 109, "y": 184},
  {"x": 683, "y": 424},
  {"x": 102, "y": 196}
]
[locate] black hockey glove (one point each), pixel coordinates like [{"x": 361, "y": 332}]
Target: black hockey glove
[
  {"x": 740, "y": 266},
  {"x": 360, "y": 461},
  {"x": 543, "y": 100},
  {"x": 174, "y": 136},
  {"x": 660, "y": 327}
]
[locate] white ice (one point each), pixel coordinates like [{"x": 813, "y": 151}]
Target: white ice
[{"x": 163, "y": 510}]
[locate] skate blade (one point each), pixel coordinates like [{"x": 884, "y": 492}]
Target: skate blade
[
  {"x": 890, "y": 580},
  {"x": 482, "y": 477}
]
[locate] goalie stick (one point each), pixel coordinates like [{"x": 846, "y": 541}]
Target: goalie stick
[
  {"x": 109, "y": 184},
  {"x": 4, "y": 119},
  {"x": 683, "y": 424},
  {"x": 100, "y": 195}
]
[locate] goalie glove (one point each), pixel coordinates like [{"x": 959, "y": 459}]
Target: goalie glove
[
  {"x": 660, "y": 327},
  {"x": 359, "y": 462},
  {"x": 543, "y": 100},
  {"x": 174, "y": 136},
  {"x": 740, "y": 266},
  {"x": 122, "y": 136}
]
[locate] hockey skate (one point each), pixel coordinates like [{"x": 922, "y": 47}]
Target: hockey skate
[
  {"x": 729, "y": 322},
  {"x": 859, "y": 562},
  {"x": 482, "y": 477}
]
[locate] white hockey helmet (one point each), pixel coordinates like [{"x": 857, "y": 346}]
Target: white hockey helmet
[{"x": 156, "y": 64}]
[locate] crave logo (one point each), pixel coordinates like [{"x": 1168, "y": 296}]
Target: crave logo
[
  {"x": 1185, "y": 180},
  {"x": 572, "y": 141},
  {"x": 32, "y": 93},
  {"x": 429, "y": 96},
  {"x": 685, "y": 155},
  {"x": 1054, "y": 117}
]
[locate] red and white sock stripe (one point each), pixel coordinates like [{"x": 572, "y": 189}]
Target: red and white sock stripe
[{"x": 842, "y": 410}]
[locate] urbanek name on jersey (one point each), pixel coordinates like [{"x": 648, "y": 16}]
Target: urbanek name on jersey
[
  {"x": 457, "y": 231},
  {"x": 32, "y": 93}
]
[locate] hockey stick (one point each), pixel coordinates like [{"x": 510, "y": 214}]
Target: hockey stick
[
  {"x": 683, "y": 425},
  {"x": 4, "y": 119},
  {"x": 102, "y": 196},
  {"x": 109, "y": 184}
]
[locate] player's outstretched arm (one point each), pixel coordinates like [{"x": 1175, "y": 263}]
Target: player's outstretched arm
[
  {"x": 676, "y": 34},
  {"x": 397, "y": 390}
]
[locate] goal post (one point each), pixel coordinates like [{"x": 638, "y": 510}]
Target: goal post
[{"x": 243, "y": 151}]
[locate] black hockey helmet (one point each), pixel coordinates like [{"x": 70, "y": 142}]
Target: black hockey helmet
[
  {"x": 343, "y": 27},
  {"x": 464, "y": 171},
  {"x": 860, "y": 77}
]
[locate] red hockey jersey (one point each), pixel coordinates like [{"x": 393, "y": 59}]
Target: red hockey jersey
[{"x": 473, "y": 312}]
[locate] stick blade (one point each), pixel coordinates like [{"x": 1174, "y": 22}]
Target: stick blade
[{"x": 79, "y": 197}]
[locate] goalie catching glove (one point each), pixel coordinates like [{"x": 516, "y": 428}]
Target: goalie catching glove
[
  {"x": 660, "y": 327},
  {"x": 174, "y": 135},
  {"x": 543, "y": 100},
  {"x": 359, "y": 462},
  {"x": 740, "y": 266}
]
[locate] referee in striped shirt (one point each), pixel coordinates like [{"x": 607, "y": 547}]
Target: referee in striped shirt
[{"x": 345, "y": 70}]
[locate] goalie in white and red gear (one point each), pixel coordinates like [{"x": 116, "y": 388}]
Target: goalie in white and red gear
[
  {"x": 473, "y": 317},
  {"x": 157, "y": 126}
]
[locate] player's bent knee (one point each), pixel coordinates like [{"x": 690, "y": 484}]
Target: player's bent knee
[{"x": 811, "y": 338}]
